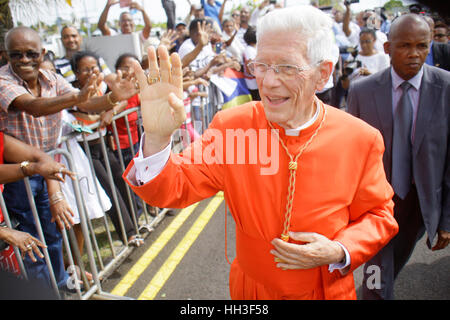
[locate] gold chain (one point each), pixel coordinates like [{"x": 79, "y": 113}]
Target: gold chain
[{"x": 292, "y": 170}]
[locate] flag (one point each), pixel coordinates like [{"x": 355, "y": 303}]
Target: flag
[
  {"x": 240, "y": 94},
  {"x": 69, "y": 2}
]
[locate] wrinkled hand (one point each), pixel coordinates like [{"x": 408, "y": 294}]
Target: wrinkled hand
[
  {"x": 443, "y": 240},
  {"x": 162, "y": 107},
  {"x": 62, "y": 214},
  {"x": 318, "y": 251},
  {"x": 24, "y": 241}
]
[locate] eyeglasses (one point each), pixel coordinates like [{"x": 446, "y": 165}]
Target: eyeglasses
[
  {"x": 17, "y": 55},
  {"x": 365, "y": 41},
  {"x": 89, "y": 70},
  {"x": 259, "y": 69}
]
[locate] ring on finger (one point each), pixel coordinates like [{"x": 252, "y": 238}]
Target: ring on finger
[{"x": 152, "y": 80}]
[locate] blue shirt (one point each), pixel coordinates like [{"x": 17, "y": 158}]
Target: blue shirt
[
  {"x": 212, "y": 10},
  {"x": 429, "y": 60}
]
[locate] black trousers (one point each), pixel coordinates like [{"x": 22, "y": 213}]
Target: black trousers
[
  {"x": 169, "y": 8},
  {"x": 392, "y": 258}
]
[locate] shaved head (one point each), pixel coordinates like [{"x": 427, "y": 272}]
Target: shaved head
[
  {"x": 405, "y": 21},
  {"x": 408, "y": 44},
  {"x": 24, "y": 53}
]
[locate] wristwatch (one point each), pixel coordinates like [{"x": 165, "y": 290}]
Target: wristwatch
[{"x": 23, "y": 166}]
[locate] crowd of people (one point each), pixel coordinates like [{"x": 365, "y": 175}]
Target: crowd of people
[{"x": 43, "y": 97}]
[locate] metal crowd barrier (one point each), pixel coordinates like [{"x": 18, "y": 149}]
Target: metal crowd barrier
[{"x": 101, "y": 267}]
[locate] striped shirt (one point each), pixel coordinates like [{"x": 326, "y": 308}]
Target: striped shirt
[
  {"x": 41, "y": 132},
  {"x": 64, "y": 68}
]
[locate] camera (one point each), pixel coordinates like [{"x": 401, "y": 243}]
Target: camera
[
  {"x": 351, "y": 66},
  {"x": 348, "y": 2},
  {"x": 352, "y": 50},
  {"x": 273, "y": 1}
]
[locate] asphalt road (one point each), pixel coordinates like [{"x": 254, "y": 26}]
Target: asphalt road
[{"x": 199, "y": 270}]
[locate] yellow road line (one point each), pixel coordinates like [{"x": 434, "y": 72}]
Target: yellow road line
[
  {"x": 133, "y": 274},
  {"x": 178, "y": 253}
]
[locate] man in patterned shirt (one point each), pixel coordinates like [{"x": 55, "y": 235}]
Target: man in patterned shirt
[{"x": 31, "y": 101}]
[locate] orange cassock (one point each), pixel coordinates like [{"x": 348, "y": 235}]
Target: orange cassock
[{"x": 341, "y": 192}]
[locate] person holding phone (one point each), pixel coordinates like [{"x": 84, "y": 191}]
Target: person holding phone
[{"x": 126, "y": 21}]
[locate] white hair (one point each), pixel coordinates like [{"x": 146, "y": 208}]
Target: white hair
[{"x": 309, "y": 23}]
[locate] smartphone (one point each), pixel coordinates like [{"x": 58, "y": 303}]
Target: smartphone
[
  {"x": 218, "y": 47},
  {"x": 125, "y": 3}
]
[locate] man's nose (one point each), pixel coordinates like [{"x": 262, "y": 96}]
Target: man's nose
[
  {"x": 271, "y": 78},
  {"x": 24, "y": 58}
]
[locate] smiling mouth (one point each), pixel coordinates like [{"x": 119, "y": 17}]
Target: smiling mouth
[
  {"x": 276, "y": 100},
  {"x": 25, "y": 68}
]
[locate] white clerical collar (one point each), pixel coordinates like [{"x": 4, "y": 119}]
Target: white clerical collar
[{"x": 296, "y": 131}]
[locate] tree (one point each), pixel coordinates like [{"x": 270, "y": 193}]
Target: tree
[
  {"x": 393, "y": 4},
  {"x": 6, "y": 21},
  {"x": 29, "y": 10}
]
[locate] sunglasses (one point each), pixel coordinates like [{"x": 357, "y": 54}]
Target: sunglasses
[{"x": 17, "y": 55}]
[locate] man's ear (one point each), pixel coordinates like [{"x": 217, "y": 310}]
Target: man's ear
[
  {"x": 325, "y": 71},
  {"x": 387, "y": 47}
]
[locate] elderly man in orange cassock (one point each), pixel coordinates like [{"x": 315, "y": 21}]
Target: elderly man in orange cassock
[{"x": 305, "y": 185}]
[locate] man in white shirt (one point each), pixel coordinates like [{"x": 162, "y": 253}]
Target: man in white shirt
[
  {"x": 196, "y": 51},
  {"x": 126, "y": 21}
]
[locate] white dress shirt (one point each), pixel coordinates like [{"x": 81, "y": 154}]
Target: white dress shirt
[{"x": 413, "y": 93}]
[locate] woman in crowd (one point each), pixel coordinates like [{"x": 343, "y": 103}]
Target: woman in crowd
[
  {"x": 83, "y": 64},
  {"x": 371, "y": 60}
]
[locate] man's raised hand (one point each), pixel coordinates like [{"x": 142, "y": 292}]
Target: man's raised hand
[{"x": 161, "y": 94}]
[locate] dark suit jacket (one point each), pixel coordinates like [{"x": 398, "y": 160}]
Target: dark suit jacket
[
  {"x": 441, "y": 55},
  {"x": 371, "y": 100}
]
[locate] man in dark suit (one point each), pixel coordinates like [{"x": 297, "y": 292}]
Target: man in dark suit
[
  {"x": 439, "y": 54},
  {"x": 416, "y": 133}
]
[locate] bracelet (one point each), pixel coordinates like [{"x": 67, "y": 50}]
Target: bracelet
[
  {"x": 108, "y": 98},
  {"x": 52, "y": 203},
  {"x": 57, "y": 194},
  {"x": 23, "y": 166},
  {"x": 56, "y": 197}
]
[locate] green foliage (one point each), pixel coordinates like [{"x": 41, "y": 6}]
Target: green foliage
[{"x": 393, "y": 4}]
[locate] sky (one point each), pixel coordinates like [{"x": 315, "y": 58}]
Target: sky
[{"x": 93, "y": 9}]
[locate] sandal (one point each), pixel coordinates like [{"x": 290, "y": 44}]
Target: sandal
[{"x": 135, "y": 241}]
